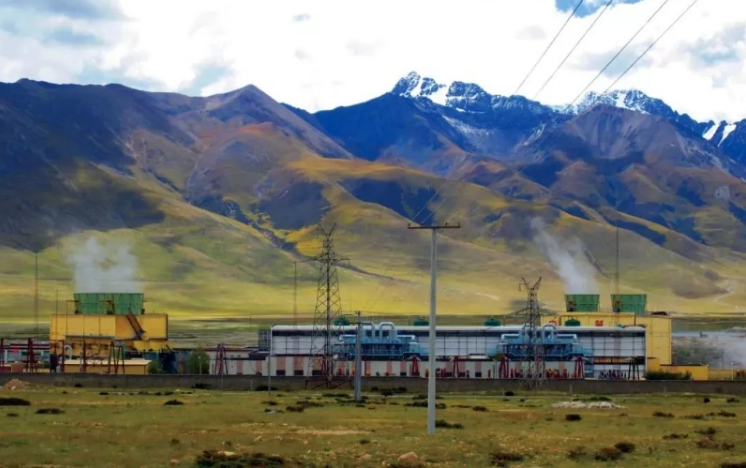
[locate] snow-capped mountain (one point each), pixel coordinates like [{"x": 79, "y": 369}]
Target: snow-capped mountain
[
  {"x": 470, "y": 98},
  {"x": 461, "y": 96}
]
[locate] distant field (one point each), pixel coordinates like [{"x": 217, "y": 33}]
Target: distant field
[
  {"x": 127, "y": 428},
  {"x": 186, "y": 274}
]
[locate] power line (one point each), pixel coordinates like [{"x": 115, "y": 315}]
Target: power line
[
  {"x": 548, "y": 47},
  {"x": 573, "y": 49},
  {"x": 650, "y": 46},
  {"x": 616, "y": 55}
]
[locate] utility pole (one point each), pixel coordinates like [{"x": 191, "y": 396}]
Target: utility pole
[
  {"x": 36, "y": 294},
  {"x": 358, "y": 360},
  {"x": 295, "y": 294},
  {"x": 431, "y": 352},
  {"x": 269, "y": 366}
]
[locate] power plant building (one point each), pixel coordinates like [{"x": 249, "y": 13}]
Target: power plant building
[{"x": 464, "y": 351}]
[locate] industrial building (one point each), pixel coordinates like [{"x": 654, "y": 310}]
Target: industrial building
[
  {"x": 464, "y": 351},
  {"x": 628, "y": 310},
  {"x": 101, "y": 332},
  {"x": 111, "y": 333}
]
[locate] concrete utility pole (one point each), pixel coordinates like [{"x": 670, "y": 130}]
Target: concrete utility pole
[
  {"x": 358, "y": 360},
  {"x": 431, "y": 352}
]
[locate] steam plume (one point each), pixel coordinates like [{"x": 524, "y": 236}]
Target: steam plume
[
  {"x": 568, "y": 260},
  {"x": 104, "y": 267}
]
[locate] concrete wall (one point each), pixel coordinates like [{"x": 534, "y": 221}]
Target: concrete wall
[{"x": 412, "y": 384}]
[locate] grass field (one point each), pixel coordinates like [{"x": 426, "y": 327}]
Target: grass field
[{"x": 137, "y": 429}]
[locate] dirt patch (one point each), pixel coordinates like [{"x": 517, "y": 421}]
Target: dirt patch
[
  {"x": 340, "y": 432},
  {"x": 16, "y": 384},
  {"x": 587, "y": 405}
]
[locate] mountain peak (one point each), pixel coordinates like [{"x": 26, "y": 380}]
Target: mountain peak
[{"x": 414, "y": 86}]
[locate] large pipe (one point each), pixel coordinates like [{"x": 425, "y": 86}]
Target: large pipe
[
  {"x": 387, "y": 325},
  {"x": 371, "y": 326},
  {"x": 550, "y": 329}
]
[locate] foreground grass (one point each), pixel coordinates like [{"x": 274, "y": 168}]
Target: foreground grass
[{"x": 137, "y": 429}]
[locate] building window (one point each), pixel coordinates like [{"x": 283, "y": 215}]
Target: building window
[
  {"x": 298, "y": 372},
  {"x": 280, "y": 373}
]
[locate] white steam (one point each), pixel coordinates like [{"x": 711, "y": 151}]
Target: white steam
[
  {"x": 568, "y": 259},
  {"x": 104, "y": 267}
]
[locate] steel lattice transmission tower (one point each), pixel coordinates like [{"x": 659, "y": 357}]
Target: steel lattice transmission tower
[
  {"x": 328, "y": 307},
  {"x": 534, "y": 372}
]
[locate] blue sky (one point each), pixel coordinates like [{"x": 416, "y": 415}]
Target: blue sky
[
  {"x": 326, "y": 53},
  {"x": 588, "y": 7}
]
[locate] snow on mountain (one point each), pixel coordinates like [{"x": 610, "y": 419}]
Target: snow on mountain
[
  {"x": 710, "y": 132},
  {"x": 414, "y": 86},
  {"x": 461, "y": 96},
  {"x": 727, "y": 130},
  {"x": 469, "y": 99}
]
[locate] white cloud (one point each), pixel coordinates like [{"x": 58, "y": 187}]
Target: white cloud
[{"x": 327, "y": 53}]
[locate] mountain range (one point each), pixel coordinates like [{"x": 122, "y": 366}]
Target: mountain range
[{"x": 220, "y": 197}]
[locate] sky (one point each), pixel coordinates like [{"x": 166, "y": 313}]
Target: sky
[{"x": 322, "y": 54}]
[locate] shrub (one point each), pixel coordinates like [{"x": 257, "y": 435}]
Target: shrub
[
  {"x": 608, "y": 454},
  {"x": 270, "y": 403},
  {"x": 509, "y": 393},
  {"x": 201, "y": 386},
  {"x": 294, "y": 409},
  {"x": 103, "y": 393},
  {"x": 576, "y": 453},
  {"x": 501, "y": 458},
  {"x": 705, "y": 400},
  {"x": 480, "y": 409},
  {"x": 675, "y": 436},
  {"x": 625, "y": 447},
  {"x": 733, "y": 465},
  {"x": 732, "y": 400},
  {"x": 707, "y": 443},
  {"x": 13, "y": 401},
  {"x": 661, "y": 414},
  {"x": 573, "y": 417},
  {"x": 309, "y": 404},
  {"x": 214, "y": 458},
  {"x": 49, "y": 411},
  {"x": 264, "y": 388},
  {"x": 387, "y": 392},
  {"x": 726, "y": 414},
  {"x": 446, "y": 425},
  {"x": 12, "y": 415},
  {"x": 173, "y": 403},
  {"x": 709, "y": 432},
  {"x": 198, "y": 362},
  {"x": 155, "y": 367},
  {"x": 364, "y": 441}
]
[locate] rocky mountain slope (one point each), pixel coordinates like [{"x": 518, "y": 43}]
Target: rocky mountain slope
[{"x": 220, "y": 196}]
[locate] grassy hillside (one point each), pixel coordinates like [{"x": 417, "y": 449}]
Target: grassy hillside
[{"x": 219, "y": 197}]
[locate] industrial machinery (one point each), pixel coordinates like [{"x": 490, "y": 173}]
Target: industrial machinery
[
  {"x": 383, "y": 342},
  {"x": 557, "y": 350},
  {"x": 100, "y": 329}
]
